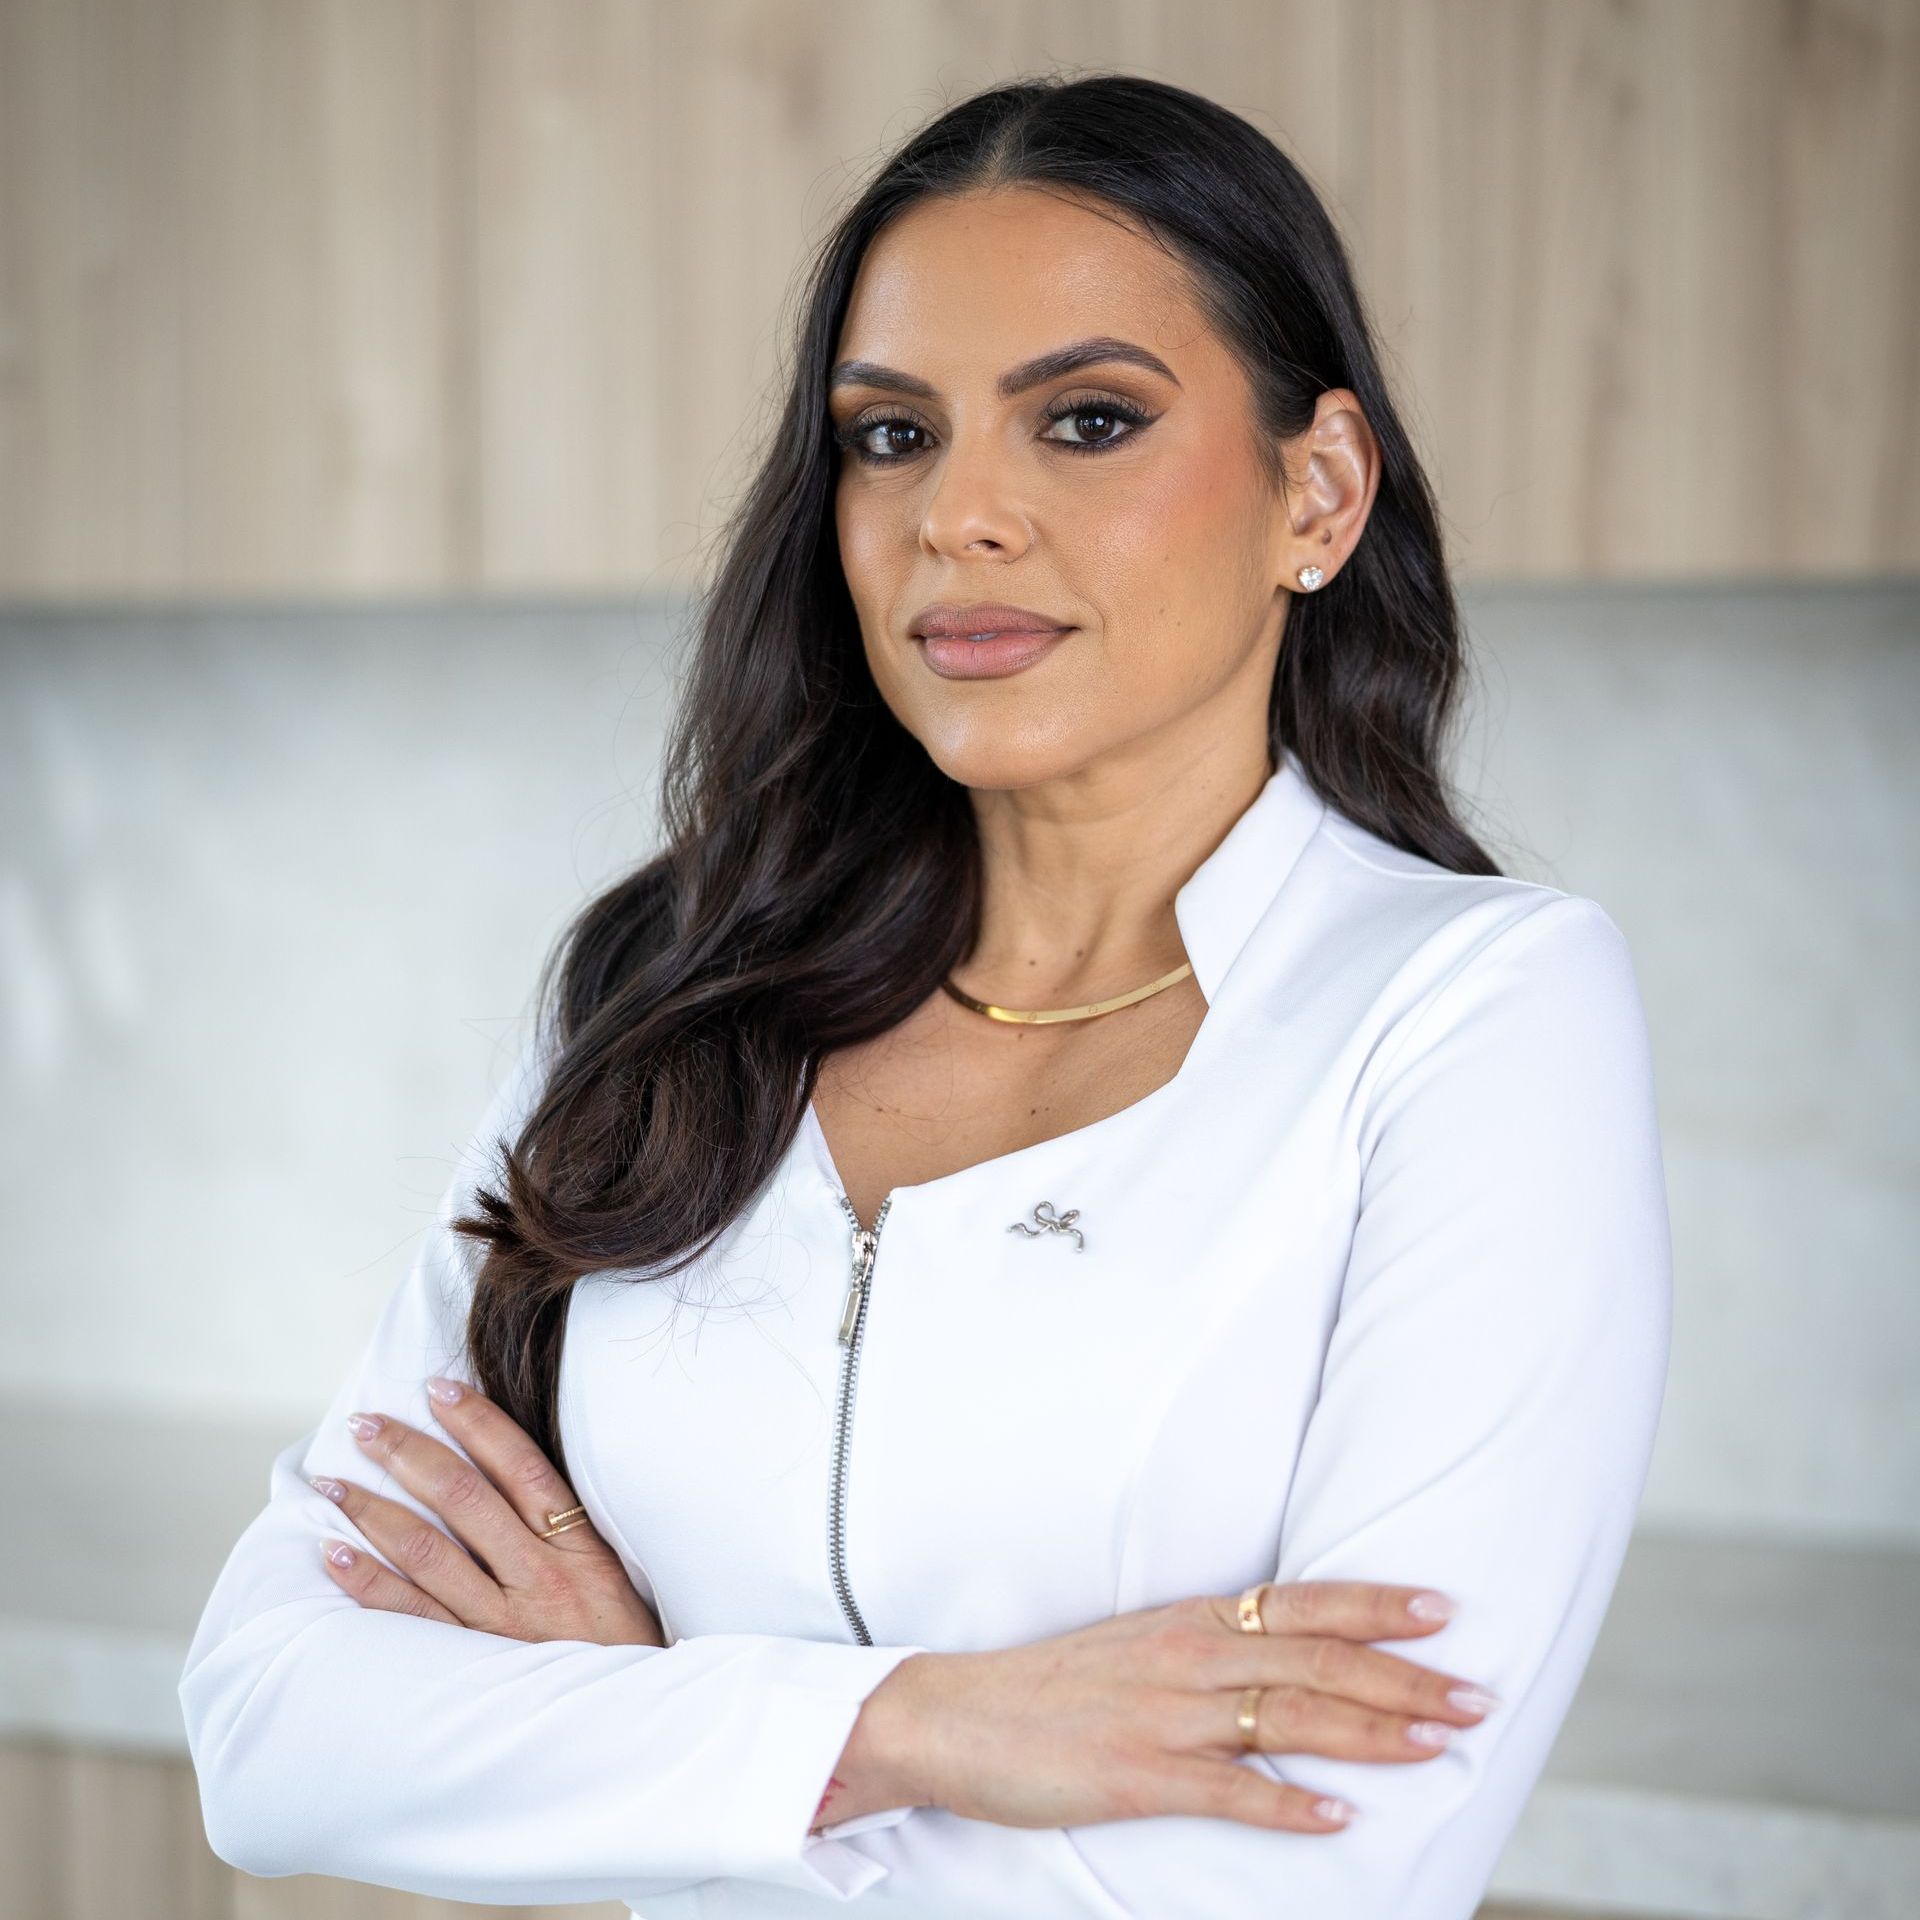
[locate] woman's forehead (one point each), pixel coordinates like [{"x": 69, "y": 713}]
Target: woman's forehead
[{"x": 972, "y": 287}]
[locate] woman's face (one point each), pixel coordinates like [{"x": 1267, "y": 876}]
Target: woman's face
[{"x": 1122, "y": 500}]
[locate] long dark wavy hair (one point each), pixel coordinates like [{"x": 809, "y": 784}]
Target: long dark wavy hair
[{"x": 821, "y": 876}]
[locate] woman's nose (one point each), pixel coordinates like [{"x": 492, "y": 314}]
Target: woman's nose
[{"x": 975, "y": 498}]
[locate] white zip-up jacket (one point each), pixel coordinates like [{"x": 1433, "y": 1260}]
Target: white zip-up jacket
[{"x": 1377, "y": 1287}]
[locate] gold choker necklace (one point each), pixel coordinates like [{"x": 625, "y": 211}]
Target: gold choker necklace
[{"x": 1037, "y": 1015}]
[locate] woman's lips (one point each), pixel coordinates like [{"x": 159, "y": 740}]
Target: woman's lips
[{"x": 956, "y": 657}]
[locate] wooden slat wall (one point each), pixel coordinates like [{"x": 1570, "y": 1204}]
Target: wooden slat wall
[{"x": 370, "y": 297}]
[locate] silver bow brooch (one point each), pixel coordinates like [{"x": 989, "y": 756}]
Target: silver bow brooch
[{"x": 1051, "y": 1222}]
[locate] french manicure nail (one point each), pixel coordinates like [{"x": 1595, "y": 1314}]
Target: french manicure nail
[
  {"x": 363, "y": 1426},
  {"x": 338, "y": 1552},
  {"x": 1473, "y": 1699},
  {"x": 1429, "y": 1733},
  {"x": 444, "y": 1391},
  {"x": 1430, "y": 1606}
]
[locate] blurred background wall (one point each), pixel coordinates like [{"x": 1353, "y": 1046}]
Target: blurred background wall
[{"x": 373, "y": 377}]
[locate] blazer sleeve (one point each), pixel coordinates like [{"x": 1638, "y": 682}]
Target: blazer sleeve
[
  {"x": 336, "y": 1739},
  {"x": 1485, "y": 1423}
]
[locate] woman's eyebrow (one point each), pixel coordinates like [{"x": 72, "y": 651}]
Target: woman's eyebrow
[{"x": 1098, "y": 351}]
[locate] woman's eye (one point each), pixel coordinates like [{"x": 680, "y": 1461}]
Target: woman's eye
[
  {"x": 857, "y": 438},
  {"x": 1097, "y": 424},
  {"x": 1108, "y": 414}
]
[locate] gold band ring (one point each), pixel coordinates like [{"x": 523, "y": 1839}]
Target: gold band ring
[
  {"x": 1248, "y": 1718},
  {"x": 559, "y": 1522}
]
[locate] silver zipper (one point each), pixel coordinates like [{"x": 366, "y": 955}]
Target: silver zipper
[{"x": 853, "y": 1320}]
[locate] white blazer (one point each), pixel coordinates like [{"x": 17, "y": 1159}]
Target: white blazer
[{"x": 1377, "y": 1287}]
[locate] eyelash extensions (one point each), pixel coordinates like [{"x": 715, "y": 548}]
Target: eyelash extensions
[{"x": 851, "y": 437}]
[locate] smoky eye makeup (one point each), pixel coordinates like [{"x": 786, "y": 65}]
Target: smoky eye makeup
[
  {"x": 855, "y": 435},
  {"x": 1107, "y": 406}
]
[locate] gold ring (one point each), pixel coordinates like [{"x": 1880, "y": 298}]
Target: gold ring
[
  {"x": 559, "y": 1522},
  {"x": 1248, "y": 1718},
  {"x": 1250, "y": 1621}
]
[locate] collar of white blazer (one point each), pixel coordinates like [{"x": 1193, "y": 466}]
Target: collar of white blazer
[{"x": 1226, "y": 895}]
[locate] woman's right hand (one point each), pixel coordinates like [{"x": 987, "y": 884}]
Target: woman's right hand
[{"x": 1135, "y": 1715}]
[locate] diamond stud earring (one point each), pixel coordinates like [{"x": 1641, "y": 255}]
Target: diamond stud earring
[{"x": 1310, "y": 577}]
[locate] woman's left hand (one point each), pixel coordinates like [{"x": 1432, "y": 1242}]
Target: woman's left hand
[{"x": 571, "y": 1587}]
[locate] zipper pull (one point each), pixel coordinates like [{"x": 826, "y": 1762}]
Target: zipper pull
[{"x": 862, "y": 1264}]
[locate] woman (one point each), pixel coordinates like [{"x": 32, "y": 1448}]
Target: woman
[{"x": 968, "y": 1463}]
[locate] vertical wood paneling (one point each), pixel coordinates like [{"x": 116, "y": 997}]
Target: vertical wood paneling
[
  {"x": 1850, "y": 233},
  {"x": 570, "y": 285},
  {"x": 317, "y": 183},
  {"x": 776, "y": 112},
  {"x": 1508, "y": 195},
  {"x": 1659, "y": 269},
  {"x": 29, "y": 1826},
  {"x": 95, "y": 1835},
  {"x": 376, "y": 296},
  {"x": 92, "y": 411}
]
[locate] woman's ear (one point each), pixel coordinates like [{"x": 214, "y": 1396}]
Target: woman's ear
[{"x": 1332, "y": 473}]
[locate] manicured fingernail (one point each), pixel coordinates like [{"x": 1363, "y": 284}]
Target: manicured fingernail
[
  {"x": 1473, "y": 1699},
  {"x": 338, "y": 1552},
  {"x": 331, "y": 1488},
  {"x": 363, "y": 1426},
  {"x": 1429, "y": 1733},
  {"x": 445, "y": 1391},
  {"x": 1430, "y": 1606},
  {"x": 1333, "y": 1809}
]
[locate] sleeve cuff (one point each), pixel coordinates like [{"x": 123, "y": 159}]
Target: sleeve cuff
[{"x": 809, "y": 1715}]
